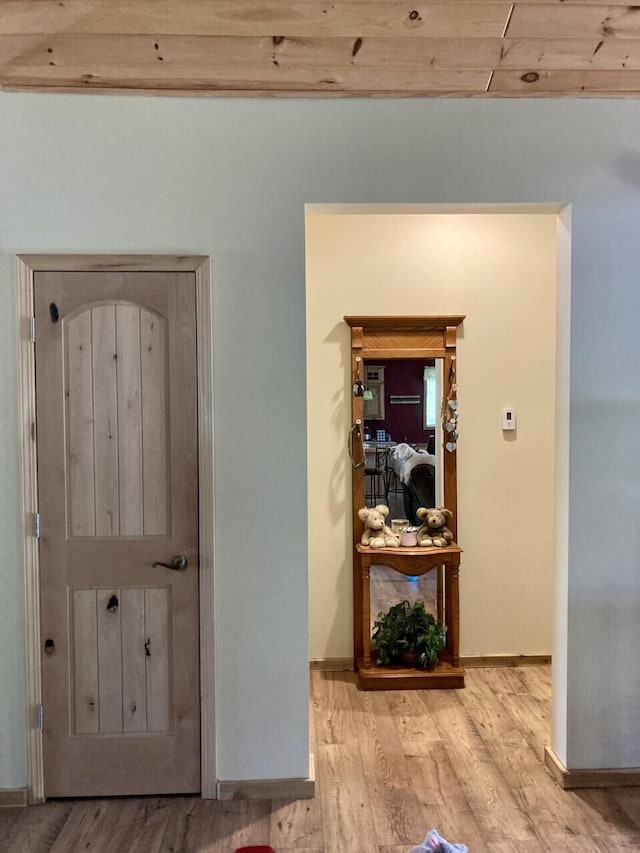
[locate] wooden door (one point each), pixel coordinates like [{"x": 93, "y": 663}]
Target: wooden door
[{"x": 118, "y": 491}]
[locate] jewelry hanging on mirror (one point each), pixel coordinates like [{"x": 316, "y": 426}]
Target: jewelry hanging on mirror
[
  {"x": 449, "y": 415},
  {"x": 358, "y": 385}
]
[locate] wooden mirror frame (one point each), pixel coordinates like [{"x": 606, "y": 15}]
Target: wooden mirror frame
[
  {"x": 377, "y": 338},
  {"x": 418, "y": 337}
]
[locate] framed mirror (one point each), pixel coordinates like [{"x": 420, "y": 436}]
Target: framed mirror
[
  {"x": 403, "y": 435},
  {"x": 402, "y": 369}
]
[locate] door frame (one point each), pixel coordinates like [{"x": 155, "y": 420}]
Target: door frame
[{"x": 200, "y": 265}]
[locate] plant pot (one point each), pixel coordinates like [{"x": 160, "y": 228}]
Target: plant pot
[{"x": 412, "y": 659}]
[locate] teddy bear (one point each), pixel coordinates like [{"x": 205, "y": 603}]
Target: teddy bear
[
  {"x": 376, "y": 534},
  {"x": 434, "y": 532}
]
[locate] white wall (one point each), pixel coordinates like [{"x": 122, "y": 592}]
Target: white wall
[
  {"x": 12, "y": 728},
  {"x": 500, "y": 270},
  {"x": 560, "y": 670},
  {"x": 230, "y": 178}
]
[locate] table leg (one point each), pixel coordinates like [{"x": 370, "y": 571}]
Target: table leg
[
  {"x": 357, "y": 611},
  {"x": 452, "y": 574},
  {"x": 366, "y": 610}
]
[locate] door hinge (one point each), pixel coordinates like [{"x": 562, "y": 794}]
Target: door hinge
[
  {"x": 36, "y": 525},
  {"x": 32, "y": 329},
  {"x": 40, "y": 710}
]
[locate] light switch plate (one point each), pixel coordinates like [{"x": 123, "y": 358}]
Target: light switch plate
[{"x": 508, "y": 419}]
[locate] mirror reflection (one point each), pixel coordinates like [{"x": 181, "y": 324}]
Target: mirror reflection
[
  {"x": 402, "y": 432},
  {"x": 388, "y": 587}
]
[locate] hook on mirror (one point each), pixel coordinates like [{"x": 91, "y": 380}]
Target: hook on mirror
[{"x": 358, "y": 385}]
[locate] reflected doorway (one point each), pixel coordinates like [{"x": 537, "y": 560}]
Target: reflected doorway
[{"x": 402, "y": 435}]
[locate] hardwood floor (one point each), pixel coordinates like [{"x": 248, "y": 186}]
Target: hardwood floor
[{"x": 390, "y": 766}]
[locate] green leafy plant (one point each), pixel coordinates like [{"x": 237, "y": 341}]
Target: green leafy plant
[{"x": 406, "y": 631}]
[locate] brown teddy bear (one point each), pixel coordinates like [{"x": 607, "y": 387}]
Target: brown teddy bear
[
  {"x": 376, "y": 534},
  {"x": 434, "y": 532}
]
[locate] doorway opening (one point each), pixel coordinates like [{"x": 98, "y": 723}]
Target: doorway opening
[{"x": 508, "y": 269}]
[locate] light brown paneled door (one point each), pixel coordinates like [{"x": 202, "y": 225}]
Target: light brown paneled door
[{"x": 118, "y": 493}]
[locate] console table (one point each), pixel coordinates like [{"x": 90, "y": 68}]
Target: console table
[{"x": 408, "y": 561}]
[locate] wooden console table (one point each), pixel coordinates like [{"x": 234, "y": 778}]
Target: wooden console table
[{"x": 408, "y": 561}]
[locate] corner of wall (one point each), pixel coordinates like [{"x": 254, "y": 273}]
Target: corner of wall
[{"x": 561, "y": 599}]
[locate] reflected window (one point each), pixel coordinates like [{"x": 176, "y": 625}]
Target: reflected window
[{"x": 430, "y": 396}]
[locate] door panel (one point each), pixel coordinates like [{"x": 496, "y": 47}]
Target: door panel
[
  {"x": 117, "y": 467},
  {"x": 102, "y": 351},
  {"x": 153, "y": 379},
  {"x": 79, "y": 424},
  {"x": 120, "y": 666},
  {"x": 85, "y": 662},
  {"x": 109, "y": 635},
  {"x": 129, "y": 414},
  {"x": 134, "y": 666},
  {"x": 116, "y": 439}
]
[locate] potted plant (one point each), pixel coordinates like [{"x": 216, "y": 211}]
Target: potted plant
[{"x": 406, "y": 633}]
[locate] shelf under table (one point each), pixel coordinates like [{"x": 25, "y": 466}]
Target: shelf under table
[
  {"x": 447, "y": 673},
  {"x": 443, "y": 675}
]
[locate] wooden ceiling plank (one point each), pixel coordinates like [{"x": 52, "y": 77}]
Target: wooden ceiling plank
[
  {"x": 356, "y": 18},
  {"x": 571, "y": 54},
  {"x": 267, "y": 79},
  {"x": 206, "y": 91},
  {"x": 574, "y": 21},
  {"x": 341, "y": 47},
  {"x": 557, "y": 82},
  {"x": 569, "y": 2},
  {"x": 250, "y": 52}
]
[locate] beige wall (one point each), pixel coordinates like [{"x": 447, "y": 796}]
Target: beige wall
[{"x": 500, "y": 270}]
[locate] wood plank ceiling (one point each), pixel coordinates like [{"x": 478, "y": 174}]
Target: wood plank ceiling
[{"x": 466, "y": 48}]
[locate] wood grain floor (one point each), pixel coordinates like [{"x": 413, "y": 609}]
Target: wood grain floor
[{"x": 390, "y": 766}]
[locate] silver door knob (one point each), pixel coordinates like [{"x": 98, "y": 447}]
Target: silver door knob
[{"x": 178, "y": 563}]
